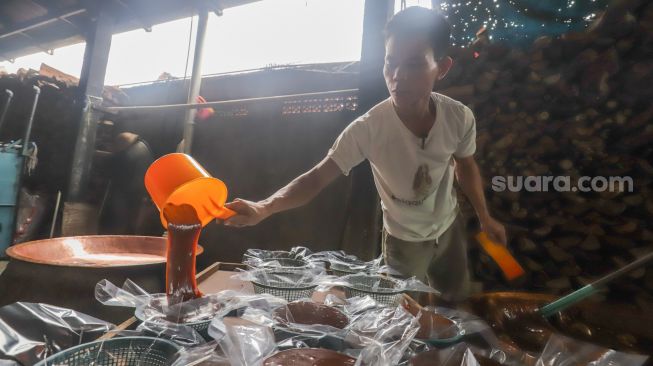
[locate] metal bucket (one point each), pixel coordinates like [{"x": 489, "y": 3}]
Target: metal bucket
[{"x": 64, "y": 271}]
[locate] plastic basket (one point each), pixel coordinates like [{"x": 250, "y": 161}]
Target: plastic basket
[
  {"x": 294, "y": 288},
  {"x": 384, "y": 290},
  {"x": 128, "y": 351}
]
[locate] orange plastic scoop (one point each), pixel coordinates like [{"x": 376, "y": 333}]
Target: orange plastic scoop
[
  {"x": 499, "y": 253},
  {"x": 179, "y": 185}
]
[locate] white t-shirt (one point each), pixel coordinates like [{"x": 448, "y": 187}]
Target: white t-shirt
[{"x": 411, "y": 212}]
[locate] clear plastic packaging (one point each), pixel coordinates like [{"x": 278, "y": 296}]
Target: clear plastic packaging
[
  {"x": 342, "y": 264},
  {"x": 289, "y": 284},
  {"x": 298, "y": 252},
  {"x": 130, "y": 295},
  {"x": 186, "y": 323},
  {"x": 467, "y": 329},
  {"x": 208, "y": 354},
  {"x": 243, "y": 342},
  {"x": 296, "y": 258},
  {"x": 383, "y": 335},
  {"x": 375, "y": 283},
  {"x": 31, "y": 332},
  {"x": 179, "y": 321},
  {"x": 457, "y": 355},
  {"x": 383, "y": 289},
  {"x": 564, "y": 351}
]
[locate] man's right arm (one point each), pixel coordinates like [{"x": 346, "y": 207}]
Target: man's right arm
[{"x": 297, "y": 193}]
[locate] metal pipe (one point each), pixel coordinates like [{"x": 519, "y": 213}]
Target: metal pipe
[
  {"x": 55, "y": 214},
  {"x": 10, "y": 95},
  {"x": 28, "y": 131},
  {"x": 176, "y": 107},
  {"x": 84, "y": 147},
  {"x": 196, "y": 79}
]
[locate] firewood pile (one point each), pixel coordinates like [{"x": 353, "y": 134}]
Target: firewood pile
[
  {"x": 54, "y": 129},
  {"x": 55, "y": 124},
  {"x": 575, "y": 105}
]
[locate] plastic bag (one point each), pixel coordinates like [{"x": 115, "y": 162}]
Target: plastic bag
[
  {"x": 234, "y": 301},
  {"x": 130, "y": 295},
  {"x": 243, "y": 342},
  {"x": 185, "y": 323},
  {"x": 156, "y": 306},
  {"x": 376, "y": 284},
  {"x": 565, "y": 351},
  {"x": 384, "y": 334},
  {"x": 208, "y": 354},
  {"x": 182, "y": 334},
  {"x": 359, "y": 304},
  {"x": 31, "y": 332},
  {"x": 282, "y": 278},
  {"x": 342, "y": 263},
  {"x": 296, "y": 258},
  {"x": 298, "y": 252},
  {"x": 469, "y": 329},
  {"x": 437, "y": 323},
  {"x": 456, "y": 355}
]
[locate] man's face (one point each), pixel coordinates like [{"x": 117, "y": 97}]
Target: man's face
[{"x": 410, "y": 70}]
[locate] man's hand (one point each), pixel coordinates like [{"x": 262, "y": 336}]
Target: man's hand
[
  {"x": 494, "y": 230},
  {"x": 297, "y": 193},
  {"x": 248, "y": 213}
]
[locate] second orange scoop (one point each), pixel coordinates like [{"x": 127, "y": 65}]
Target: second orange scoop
[{"x": 499, "y": 253}]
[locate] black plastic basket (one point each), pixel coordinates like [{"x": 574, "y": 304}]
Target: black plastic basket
[
  {"x": 384, "y": 290},
  {"x": 127, "y": 351},
  {"x": 294, "y": 289}
]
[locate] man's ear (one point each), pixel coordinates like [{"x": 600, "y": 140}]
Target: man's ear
[{"x": 444, "y": 65}]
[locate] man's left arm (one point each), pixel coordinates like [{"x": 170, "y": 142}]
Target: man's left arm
[{"x": 469, "y": 178}]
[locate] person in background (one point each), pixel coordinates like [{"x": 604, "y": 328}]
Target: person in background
[
  {"x": 417, "y": 143},
  {"x": 127, "y": 201}
]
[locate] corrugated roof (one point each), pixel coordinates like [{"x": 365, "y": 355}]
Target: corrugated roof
[{"x": 31, "y": 26}]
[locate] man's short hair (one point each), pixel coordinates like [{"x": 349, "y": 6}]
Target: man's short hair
[{"x": 417, "y": 21}]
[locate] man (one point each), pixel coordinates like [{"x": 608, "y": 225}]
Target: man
[
  {"x": 127, "y": 208},
  {"x": 415, "y": 141}
]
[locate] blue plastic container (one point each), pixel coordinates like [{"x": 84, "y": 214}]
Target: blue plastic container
[{"x": 11, "y": 163}]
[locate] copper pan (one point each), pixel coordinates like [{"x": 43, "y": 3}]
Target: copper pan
[
  {"x": 97, "y": 251},
  {"x": 64, "y": 271}
]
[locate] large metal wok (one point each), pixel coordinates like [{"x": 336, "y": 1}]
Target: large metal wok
[{"x": 64, "y": 271}]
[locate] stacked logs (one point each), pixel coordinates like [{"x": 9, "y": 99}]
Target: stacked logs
[
  {"x": 54, "y": 129},
  {"x": 575, "y": 105}
]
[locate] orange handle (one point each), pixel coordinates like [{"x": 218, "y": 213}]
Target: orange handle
[{"x": 499, "y": 253}]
